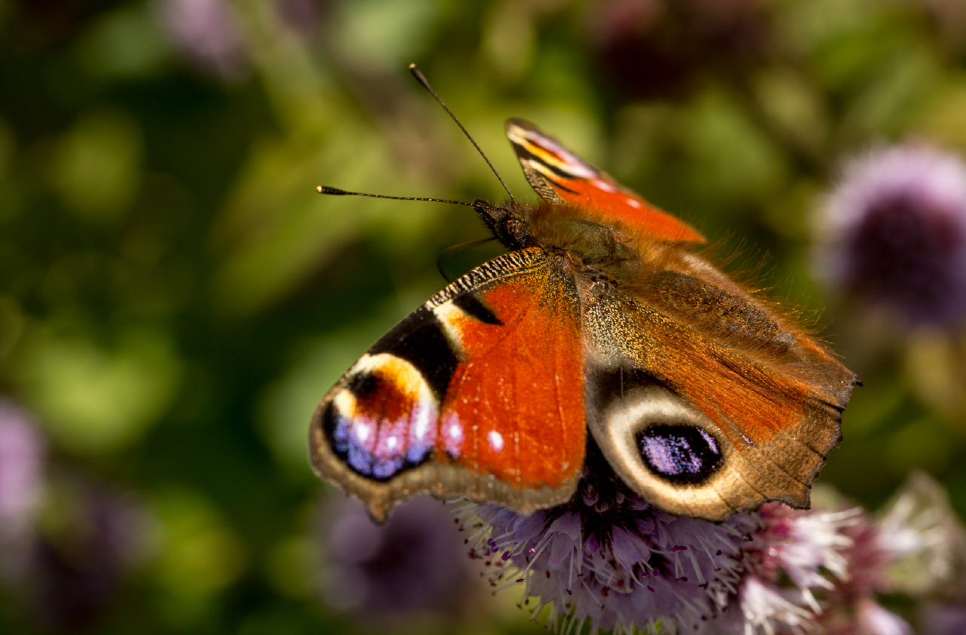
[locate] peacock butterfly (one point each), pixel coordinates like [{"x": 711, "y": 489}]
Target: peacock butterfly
[{"x": 602, "y": 324}]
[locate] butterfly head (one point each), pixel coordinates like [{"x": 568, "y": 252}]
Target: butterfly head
[{"x": 512, "y": 223}]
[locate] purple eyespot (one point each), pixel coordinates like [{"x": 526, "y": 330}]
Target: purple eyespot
[{"x": 680, "y": 453}]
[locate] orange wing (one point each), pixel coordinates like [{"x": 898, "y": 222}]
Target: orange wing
[
  {"x": 478, "y": 393},
  {"x": 559, "y": 176}
]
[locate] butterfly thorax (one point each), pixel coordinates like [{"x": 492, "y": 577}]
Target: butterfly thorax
[{"x": 600, "y": 249}]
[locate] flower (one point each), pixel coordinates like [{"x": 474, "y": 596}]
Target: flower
[
  {"x": 873, "y": 619},
  {"x": 22, "y": 451},
  {"x": 652, "y": 49},
  {"x": 915, "y": 547},
  {"x": 809, "y": 548},
  {"x": 943, "y": 619},
  {"x": 895, "y": 235},
  {"x": 790, "y": 564},
  {"x": 608, "y": 560},
  {"x": 304, "y": 17},
  {"x": 924, "y": 543},
  {"x": 765, "y": 608},
  {"x": 22, "y": 484},
  {"x": 205, "y": 33},
  {"x": 82, "y": 558},
  {"x": 413, "y": 564},
  {"x": 64, "y": 562}
]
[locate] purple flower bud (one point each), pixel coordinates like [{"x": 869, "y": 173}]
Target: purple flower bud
[{"x": 895, "y": 235}]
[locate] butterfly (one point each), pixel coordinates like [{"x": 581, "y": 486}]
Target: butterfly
[{"x": 602, "y": 325}]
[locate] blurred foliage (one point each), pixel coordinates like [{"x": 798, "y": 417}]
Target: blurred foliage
[{"x": 174, "y": 298}]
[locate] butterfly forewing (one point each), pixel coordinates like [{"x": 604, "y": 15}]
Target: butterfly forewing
[
  {"x": 478, "y": 393},
  {"x": 559, "y": 176}
]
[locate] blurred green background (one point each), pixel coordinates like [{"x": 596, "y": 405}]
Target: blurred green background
[{"x": 175, "y": 298}]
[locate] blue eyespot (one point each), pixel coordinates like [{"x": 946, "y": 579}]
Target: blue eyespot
[{"x": 680, "y": 454}]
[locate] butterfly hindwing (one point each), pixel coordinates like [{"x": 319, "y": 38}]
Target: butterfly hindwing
[
  {"x": 477, "y": 393},
  {"x": 559, "y": 176},
  {"x": 704, "y": 402}
]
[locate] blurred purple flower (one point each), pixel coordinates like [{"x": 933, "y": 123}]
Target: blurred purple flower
[
  {"x": 656, "y": 49},
  {"x": 303, "y": 16},
  {"x": 413, "y": 564},
  {"x": 204, "y": 31},
  {"x": 895, "y": 235},
  {"x": 64, "y": 564},
  {"x": 79, "y": 564},
  {"x": 22, "y": 451},
  {"x": 916, "y": 547},
  {"x": 873, "y": 619},
  {"x": 940, "y": 619},
  {"x": 923, "y": 543}
]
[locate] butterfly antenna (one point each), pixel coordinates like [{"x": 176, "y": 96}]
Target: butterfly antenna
[
  {"x": 334, "y": 191},
  {"x": 418, "y": 74}
]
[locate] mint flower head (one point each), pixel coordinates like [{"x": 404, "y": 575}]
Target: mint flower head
[
  {"x": 607, "y": 560},
  {"x": 894, "y": 235}
]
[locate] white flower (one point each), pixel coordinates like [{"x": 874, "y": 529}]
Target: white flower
[{"x": 767, "y": 610}]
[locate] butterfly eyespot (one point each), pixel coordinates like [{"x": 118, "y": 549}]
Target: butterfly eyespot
[
  {"x": 661, "y": 445},
  {"x": 381, "y": 421},
  {"x": 680, "y": 453}
]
